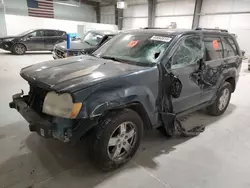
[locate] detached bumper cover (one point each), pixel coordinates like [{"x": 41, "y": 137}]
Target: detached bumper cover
[{"x": 36, "y": 123}]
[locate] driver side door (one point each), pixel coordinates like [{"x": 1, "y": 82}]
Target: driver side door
[{"x": 184, "y": 63}]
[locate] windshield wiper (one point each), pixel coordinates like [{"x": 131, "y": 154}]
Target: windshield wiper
[
  {"x": 128, "y": 61},
  {"x": 87, "y": 42}
]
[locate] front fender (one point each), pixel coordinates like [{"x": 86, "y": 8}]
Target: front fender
[{"x": 100, "y": 102}]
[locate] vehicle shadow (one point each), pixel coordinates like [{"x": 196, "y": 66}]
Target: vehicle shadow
[
  {"x": 40, "y": 161},
  {"x": 155, "y": 144}
]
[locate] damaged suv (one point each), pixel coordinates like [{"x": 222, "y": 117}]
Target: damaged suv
[{"x": 140, "y": 79}]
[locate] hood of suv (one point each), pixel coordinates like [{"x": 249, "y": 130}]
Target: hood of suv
[
  {"x": 74, "y": 45},
  {"x": 9, "y": 37},
  {"x": 75, "y": 73}
]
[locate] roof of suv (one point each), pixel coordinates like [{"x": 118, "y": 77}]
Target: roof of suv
[{"x": 178, "y": 31}]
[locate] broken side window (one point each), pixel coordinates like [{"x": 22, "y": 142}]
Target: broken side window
[{"x": 190, "y": 51}]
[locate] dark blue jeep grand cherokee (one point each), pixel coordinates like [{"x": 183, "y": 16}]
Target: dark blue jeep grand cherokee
[{"x": 139, "y": 79}]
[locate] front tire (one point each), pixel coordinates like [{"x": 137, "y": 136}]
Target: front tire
[
  {"x": 19, "y": 49},
  {"x": 221, "y": 103},
  {"x": 115, "y": 141}
]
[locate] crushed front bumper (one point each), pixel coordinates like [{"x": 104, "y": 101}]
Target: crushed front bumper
[
  {"x": 66, "y": 130},
  {"x": 36, "y": 123}
]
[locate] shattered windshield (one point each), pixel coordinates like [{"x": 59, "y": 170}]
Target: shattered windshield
[
  {"x": 140, "y": 48},
  {"x": 92, "y": 38}
]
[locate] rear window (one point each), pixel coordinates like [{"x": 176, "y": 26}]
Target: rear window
[
  {"x": 61, "y": 33},
  {"x": 213, "y": 48}
]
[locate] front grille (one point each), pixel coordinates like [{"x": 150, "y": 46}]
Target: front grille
[
  {"x": 36, "y": 98},
  {"x": 59, "y": 53}
]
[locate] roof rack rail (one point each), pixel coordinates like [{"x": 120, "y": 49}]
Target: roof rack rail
[{"x": 211, "y": 29}]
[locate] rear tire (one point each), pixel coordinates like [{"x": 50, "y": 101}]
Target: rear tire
[
  {"x": 19, "y": 49},
  {"x": 115, "y": 140},
  {"x": 221, "y": 103}
]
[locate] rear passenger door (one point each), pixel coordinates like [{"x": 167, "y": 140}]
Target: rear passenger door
[
  {"x": 50, "y": 39},
  {"x": 212, "y": 67}
]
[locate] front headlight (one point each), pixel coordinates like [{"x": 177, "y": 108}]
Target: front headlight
[{"x": 61, "y": 105}]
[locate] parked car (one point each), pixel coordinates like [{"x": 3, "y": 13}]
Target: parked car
[
  {"x": 89, "y": 43},
  {"x": 32, "y": 40},
  {"x": 127, "y": 85}
]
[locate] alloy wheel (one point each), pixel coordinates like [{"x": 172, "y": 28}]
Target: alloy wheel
[
  {"x": 19, "y": 48},
  {"x": 121, "y": 141},
  {"x": 224, "y": 99}
]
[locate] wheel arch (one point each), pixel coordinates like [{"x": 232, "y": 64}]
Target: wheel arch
[
  {"x": 232, "y": 81},
  {"x": 229, "y": 76},
  {"x": 20, "y": 43},
  {"x": 139, "y": 109}
]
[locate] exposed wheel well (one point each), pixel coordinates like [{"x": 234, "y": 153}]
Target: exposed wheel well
[{"x": 231, "y": 80}]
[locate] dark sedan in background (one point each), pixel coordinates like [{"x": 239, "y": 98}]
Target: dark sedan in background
[
  {"x": 86, "y": 45},
  {"x": 32, "y": 40}
]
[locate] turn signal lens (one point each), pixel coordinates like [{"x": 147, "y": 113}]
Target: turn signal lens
[{"x": 75, "y": 110}]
